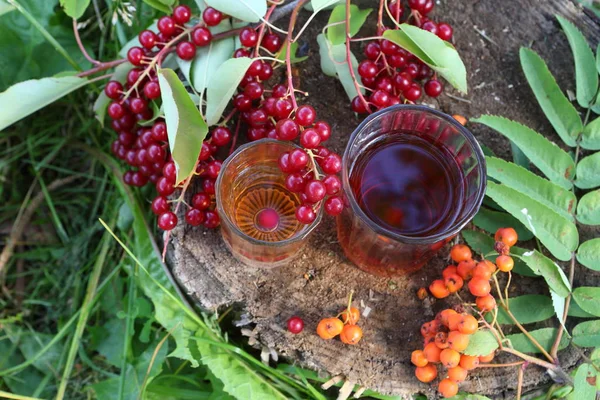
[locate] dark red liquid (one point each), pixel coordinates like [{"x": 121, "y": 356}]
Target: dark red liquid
[{"x": 408, "y": 184}]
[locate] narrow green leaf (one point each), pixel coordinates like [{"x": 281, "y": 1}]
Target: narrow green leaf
[
  {"x": 587, "y": 334},
  {"x": 185, "y": 126},
  {"x": 5, "y": 7},
  {"x": 246, "y": 10},
  {"x": 558, "y": 109},
  {"x": 588, "y": 210},
  {"x": 590, "y": 138},
  {"x": 519, "y": 157},
  {"x": 337, "y": 34},
  {"x": 482, "y": 343},
  {"x": 588, "y": 172},
  {"x": 223, "y": 86},
  {"x": 18, "y": 101},
  {"x": 74, "y": 8},
  {"x": 490, "y": 221},
  {"x": 334, "y": 62},
  {"x": 549, "y": 270},
  {"x": 441, "y": 56},
  {"x": 558, "y": 304},
  {"x": 527, "y": 309},
  {"x": 208, "y": 60},
  {"x": 586, "y": 75},
  {"x": 102, "y": 101},
  {"x": 588, "y": 298},
  {"x": 557, "y": 233},
  {"x": 318, "y": 5},
  {"x": 293, "y": 53},
  {"x": 545, "y": 337},
  {"x": 159, "y": 5},
  {"x": 554, "y": 162},
  {"x": 484, "y": 244},
  {"x": 584, "y": 383},
  {"x": 542, "y": 190},
  {"x": 588, "y": 254}
]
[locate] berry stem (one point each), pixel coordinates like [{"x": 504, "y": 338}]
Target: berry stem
[
  {"x": 261, "y": 31},
  {"x": 349, "y": 61},
  {"x": 288, "y": 51},
  {"x": 512, "y": 364},
  {"x": 380, "y": 17},
  {"x": 520, "y": 381},
  {"x": 80, "y": 45},
  {"x": 102, "y": 67}
]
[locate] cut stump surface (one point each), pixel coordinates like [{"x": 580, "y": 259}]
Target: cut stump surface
[{"x": 488, "y": 35}]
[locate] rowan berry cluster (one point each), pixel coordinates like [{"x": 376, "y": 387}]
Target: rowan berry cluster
[
  {"x": 343, "y": 325},
  {"x": 447, "y": 336},
  {"x": 393, "y": 75}
]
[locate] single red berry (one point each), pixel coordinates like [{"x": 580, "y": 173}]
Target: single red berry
[
  {"x": 384, "y": 83},
  {"x": 372, "y": 50},
  {"x": 152, "y": 90},
  {"x": 267, "y": 219},
  {"x": 242, "y": 102},
  {"x": 334, "y": 206},
  {"x": 367, "y": 69},
  {"x": 166, "y": 25},
  {"x": 323, "y": 129},
  {"x": 201, "y": 36},
  {"x": 358, "y": 106},
  {"x": 417, "y": 5},
  {"x": 412, "y": 69},
  {"x": 279, "y": 91},
  {"x": 433, "y": 88},
  {"x": 212, "y": 17},
  {"x": 133, "y": 75},
  {"x": 147, "y": 39},
  {"x": 430, "y": 26},
  {"x": 426, "y": 9},
  {"x": 213, "y": 168},
  {"x": 295, "y": 325},
  {"x": 127, "y": 176},
  {"x": 138, "y": 179},
  {"x": 255, "y": 68},
  {"x": 305, "y": 214},
  {"x": 413, "y": 93},
  {"x": 333, "y": 184},
  {"x": 182, "y": 14},
  {"x": 169, "y": 171},
  {"x": 283, "y": 108},
  {"x": 208, "y": 185},
  {"x": 159, "y": 131},
  {"x": 380, "y": 98},
  {"x": 241, "y": 53},
  {"x": 221, "y": 136},
  {"x": 271, "y": 42},
  {"x": 402, "y": 81},
  {"x": 126, "y": 139},
  {"x": 258, "y": 118},
  {"x": 186, "y": 50},
  {"x": 287, "y": 129},
  {"x": 295, "y": 182},
  {"x": 146, "y": 138},
  {"x": 248, "y": 37},
  {"x": 315, "y": 191},
  {"x": 160, "y": 205},
  {"x": 298, "y": 159},
  {"x": 397, "y": 60},
  {"x": 254, "y": 90},
  {"x": 332, "y": 164},
  {"x": 115, "y": 110},
  {"x": 266, "y": 73},
  {"x": 113, "y": 89},
  {"x": 284, "y": 163},
  {"x": 310, "y": 138},
  {"x": 444, "y": 31},
  {"x": 205, "y": 152},
  {"x": 138, "y": 105},
  {"x": 201, "y": 201},
  {"x": 305, "y": 115},
  {"x": 155, "y": 153},
  {"x": 194, "y": 217},
  {"x": 424, "y": 72},
  {"x": 164, "y": 187},
  {"x": 212, "y": 219},
  {"x": 167, "y": 221},
  {"x": 135, "y": 55},
  {"x": 388, "y": 47}
]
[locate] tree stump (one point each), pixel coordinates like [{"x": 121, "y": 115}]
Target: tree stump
[{"x": 488, "y": 35}]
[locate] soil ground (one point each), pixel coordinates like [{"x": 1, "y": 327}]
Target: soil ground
[{"x": 488, "y": 35}]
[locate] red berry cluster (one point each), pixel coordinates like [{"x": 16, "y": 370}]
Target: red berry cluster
[{"x": 393, "y": 75}]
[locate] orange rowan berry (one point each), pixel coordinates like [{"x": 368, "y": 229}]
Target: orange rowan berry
[
  {"x": 488, "y": 358},
  {"x": 428, "y": 339},
  {"x": 458, "y": 341},
  {"x": 426, "y": 329},
  {"x": 435, "y": 325},
  {"x": 445, "y": 314},
  {"x": 479, "y": 287},
  {"x": 453, "y": 283},
  {"x": 441, "y": 340},
  {"x": 457, "y": 374},
  {"x": 354, "y": 316},
  {"x": 468, "y": 325},
  {"x": 351, "y": 334},
  {"x": 422, "y": 293},
  {"x": 460, "y": 252},
  {"x": 448, "y": 388},
  {"x": 505, "y": 263},
  {"x": 465, "y": 269},
  {"x": 449, "y": 270},
  {"x": 461, "y": 120},
  {"x": 449, "y": 358},
  {"x": 482, "y": 271},
  {"x": 469, "y": 362},
  {"x": 486, "y": 303},
  {"x": 427, "y": 373},
  {"x": 329, "y": 328},
  {"x": 432, "y": 353},
  {"x": 508, "y": 236},
  {"x": 438, "y": 289},
  {"x": 418, "y": 358},
  {"x": 453, "y": 321}
]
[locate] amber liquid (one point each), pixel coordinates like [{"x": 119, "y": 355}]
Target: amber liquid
[{"x": 408, "y": 185}]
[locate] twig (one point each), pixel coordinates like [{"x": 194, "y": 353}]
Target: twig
[
  {"x": 512, "y": 364},
  {"x": 80, "y": 44},
  {"x": 520, "y": 382},
  {"x": 102, "y": 67},
  {"x": 348, "y": 59}
]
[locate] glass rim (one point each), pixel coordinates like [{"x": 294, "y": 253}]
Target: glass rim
[
  {"x": 457, "y": 225},
  {"x": 231, "y": 225}
]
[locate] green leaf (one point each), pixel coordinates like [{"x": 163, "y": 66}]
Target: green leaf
[
  {"x": 549, "y": 270},
  {"x": 246, "y": 10},
  {"x": 318, "y": 5},
  {"x": 519, "y": 157},
  {"x": 334, "y": 62},
  {"x": 5, "y": 7},
  {"x": 545, "y": 337},
  {"x": 588, "y": 298},
  {"x": 469, "y": 396},
  {"x": 112, "y": 340},
  {"x": 74, "y": 8},
  {"x": 557, "y": 233},
  {"x": 560, "y": 200},
  {"x": 587, "y": 334},
  {"x": 558, "y": 109},
  {"x": 490, "y": 221},
  {"x": 576, "y": 311},
  {"x": 484, "y": 244},
  {"x": 26, "y": 381},
  {"x": 337, "y": 34},
  {"x": 18, "y": 101},
  {"x": 588, "y": 172},
  {"x": 159, "y": 5},
  {"x": 293, "y": 53},
  {"x": 588, "y": 254},
  {"x": 208, "y": 60},
  {"x": 527, "y": 309},
  {"x": 482, "y": 343},
  {"x": 103, "y": 100},
  {"x": 590, "y": 137},
  {"x": 223, "y": 86},
  {"x": 185, "y": 126},
  {"x": 441, "y": 56},
  {"x": 554, "y": 162},
  {"x": 584, "y": 383},
  {"x": 586, "y": 75},
  {"x": 588, "y": 210}
]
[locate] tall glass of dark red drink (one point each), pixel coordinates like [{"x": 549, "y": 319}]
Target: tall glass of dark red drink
[{"x": 413, "y": 178}]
